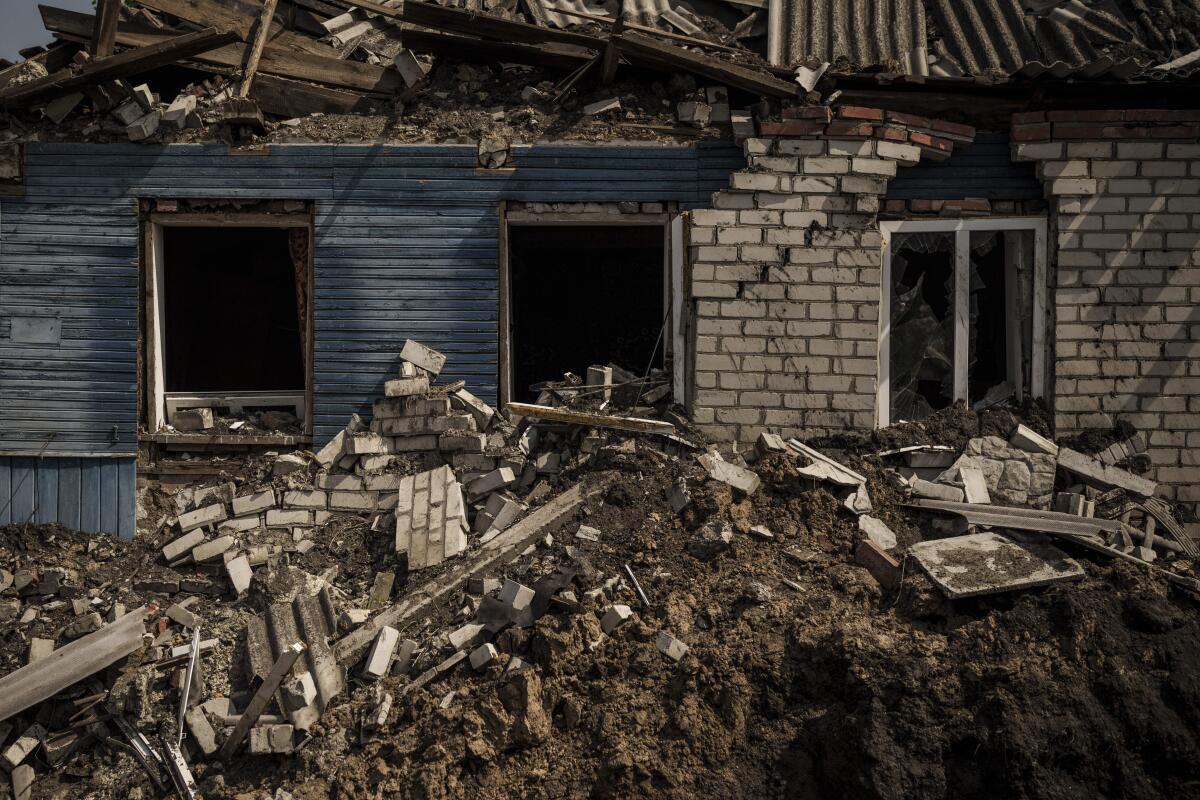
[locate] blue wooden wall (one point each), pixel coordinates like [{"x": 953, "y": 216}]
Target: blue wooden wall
[
  {"x": 982, "y": 169},
  {"x": 94, "y": 495},
  {"x": 406, "y": 246}
]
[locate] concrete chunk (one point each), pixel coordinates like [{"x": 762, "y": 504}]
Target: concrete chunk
[
  {"x": 670, "y": 647},
  {"x": 144, "y": 127},
  {"x": 353, "y": 501},
  {"x": 210, "y": 551},
  {"x": 601, "y": 106},
  {"x": 240, "y": 574},
  {"x": 288, "y": 463},
  {"x": 277, "y": 518},
  {"x": 738, "y": 477},
  {"x": 936, "y": 491},
  {"x": 483, "y": 655},
  {"x": 22, "y": 782},
  {"x": 25, "y": 744},
  {"x": 410, "y": 69},
  {"x": 406, "y": 387},
  {"x": 254, "y": 503},
  {"x": 1031, "y": 441},
  {"x": 975, "y": 487},
  {"x": 206, "y": 515},
  {"x": 616, "y": 616},
  {"x": 183, "y": 545},
  {"x": 1092, "y": 470},
  {"x": 491, "y": 482},
  {"x": 201, "y": 730},
  {"x": 424, "y": 357},
  {"x": 379, "y": 659},
  {"x": 519, "y": 601},
  {"x": 299, "y": 692},
  {"x": 481, "y": 411},
  {"x": 192, "y": 419},
  {"x": 182, "y": 616},
  {"x": 39, "y": 649},
  {"x": 178, "y": 112},
  {"x": 305, "y": 498},
  {"x": 271, "y": 739},
  {"x": 877, "y": 531}
]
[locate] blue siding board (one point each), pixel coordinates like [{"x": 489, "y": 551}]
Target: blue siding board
[
  {"x": 24, "y": 489},
  {"x": 89, "y": 495},
  {"x": 982, "y": 169},
  {"x": 406, "y": 244},
  {"x": 109, "y": 490},
  {"x": 47, "y": 491},
  {"x": 68, "y": 492},
  {"x": 5, "y": 491}
]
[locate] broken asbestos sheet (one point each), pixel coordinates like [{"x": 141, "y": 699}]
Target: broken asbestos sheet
[{"x": 988, "y": 563}]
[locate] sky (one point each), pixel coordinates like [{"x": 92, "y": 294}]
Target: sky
[{"x": 21, "y": 24}]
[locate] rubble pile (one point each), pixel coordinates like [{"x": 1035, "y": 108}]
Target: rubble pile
[
  {"x": 560, "y": 599},
  {"x": 341, "y": 72}
]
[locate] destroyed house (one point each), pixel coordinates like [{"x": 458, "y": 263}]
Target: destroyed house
[{"x": 819, "y": 222}]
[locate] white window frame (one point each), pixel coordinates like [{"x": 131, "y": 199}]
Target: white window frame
[{"x": 962, "y": 228}]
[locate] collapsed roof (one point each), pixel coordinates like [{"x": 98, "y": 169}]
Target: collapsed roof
[{"x": 994, "y": 38}]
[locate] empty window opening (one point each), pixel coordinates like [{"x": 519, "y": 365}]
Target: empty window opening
[
  {"x": 231, "y": 317},
  {"x": 583, "y": 295},
  {"x": 963, "y": 315}
]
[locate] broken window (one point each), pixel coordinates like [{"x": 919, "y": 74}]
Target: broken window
[
  {"x": 962, "y": 313},
  {"x": 582, "y": 295},
  {"x": 228, "y": 319}
]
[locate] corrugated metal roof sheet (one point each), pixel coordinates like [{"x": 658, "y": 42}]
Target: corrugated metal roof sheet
[
  {"x": 863, "y": 32},
  {"x": 642, "y": 12},
  {"x": 998, "y": 38}
]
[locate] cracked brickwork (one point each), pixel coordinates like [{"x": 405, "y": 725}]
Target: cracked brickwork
[
  {"x": 1124, "y": 188},
  {"x": 785, "y": 273}
]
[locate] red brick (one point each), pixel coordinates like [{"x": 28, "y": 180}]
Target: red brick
[
  {"x": 895, "y": 206},
  {"x": 931, "y": 142},
  {"x": 1083, "y": 130},
  {"x": 920, "y": 206},
  {"x": 166, "y": 205},
  {"x": 911, "y": 120},
  {"x": 884, "y": 568},
  {"x": 1148, "y": 115},
  {"x": 1086, "y": 116},
  {"x": 966, "y": 131},
  {"x": 1037, "y": 132},
  {"x": 1183, "y": 115},
  {"x": 968, "y": 206},
  {"x": 891, "y": 133},
  {"x": 848, "y": 128},
  {"x": 790, "y": 127},
  {"x": 821, "y": 113},
  {"x": 1028, "y": 117},
  {"x": 861, "y": 112},
  {"x": 1176, "y": 132}
]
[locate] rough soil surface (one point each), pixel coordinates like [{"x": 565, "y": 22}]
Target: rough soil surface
[{"x": 834, "y": 689}]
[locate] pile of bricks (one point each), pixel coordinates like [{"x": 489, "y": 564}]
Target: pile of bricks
[{"x": 430, "y": 511}]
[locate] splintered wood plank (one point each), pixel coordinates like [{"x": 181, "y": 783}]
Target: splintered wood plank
[
  {"x": 595, "y": 420},
  {"x": 256, "y": 47},
  {"x": 122, "y": 65},
  {"x": 640, "y": 49},
  {"x": 104, "y": 35},
  {"x": 988, "y": 563},
  {"x": 282, "y": 56}
]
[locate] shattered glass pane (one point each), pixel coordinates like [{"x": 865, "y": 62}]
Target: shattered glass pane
[{"x": 922, "y": 320}]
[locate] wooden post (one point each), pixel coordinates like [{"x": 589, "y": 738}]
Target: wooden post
[
  {"x": 254, "y": 54},
  {"x": 612, "y": 56},
  {"x": 258, "y": 703},
  {"x": 104, "y": 32}
]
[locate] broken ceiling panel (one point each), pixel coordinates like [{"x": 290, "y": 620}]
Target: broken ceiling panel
[{"x": 551, "y": 12}]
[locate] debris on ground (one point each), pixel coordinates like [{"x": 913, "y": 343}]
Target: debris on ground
[{"x": 452, "y": 601}]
